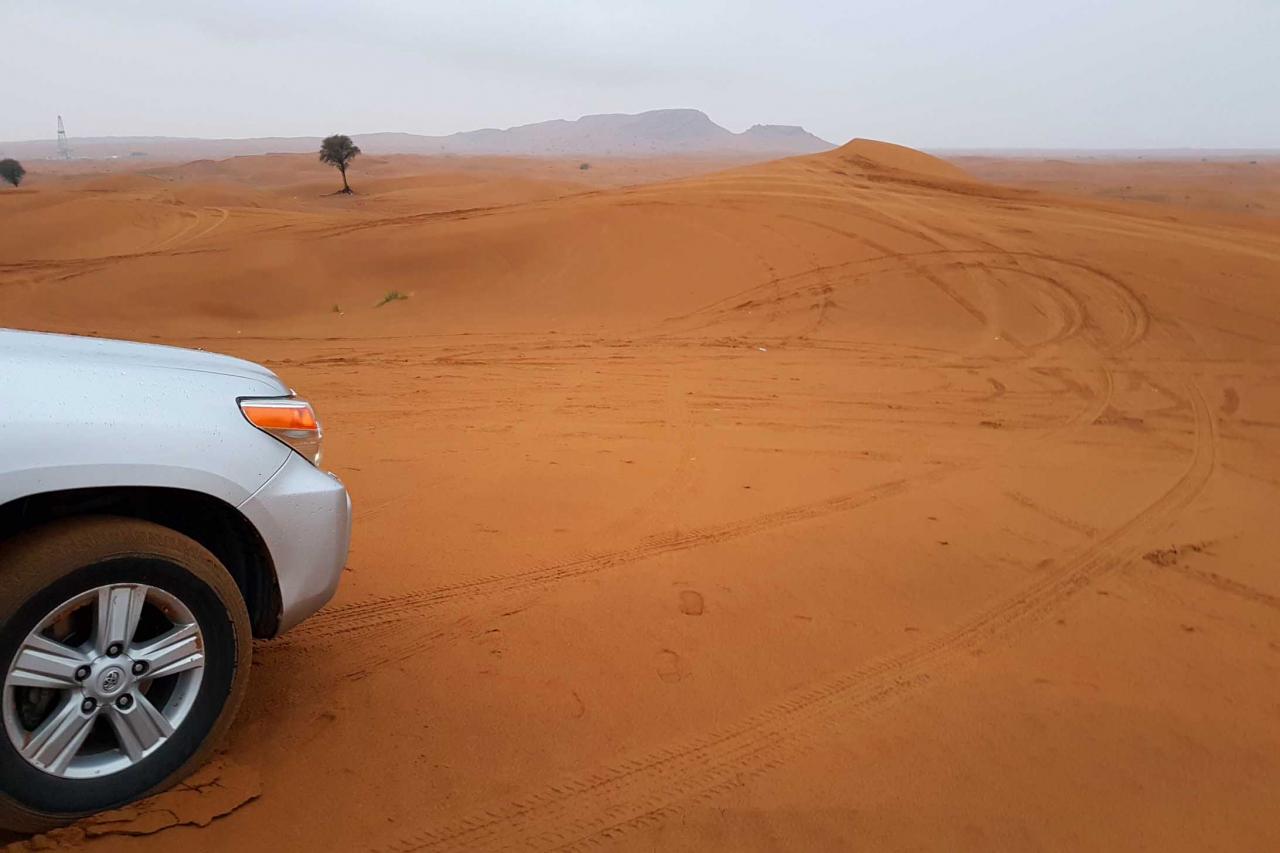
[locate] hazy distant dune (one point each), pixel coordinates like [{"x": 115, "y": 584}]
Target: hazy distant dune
[{"x": 654, "y": 133}]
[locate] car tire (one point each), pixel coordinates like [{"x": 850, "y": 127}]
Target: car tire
[{"x": 44, "y": 570}]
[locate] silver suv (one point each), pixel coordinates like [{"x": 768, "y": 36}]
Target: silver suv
[{"x": 159, "y": 508}]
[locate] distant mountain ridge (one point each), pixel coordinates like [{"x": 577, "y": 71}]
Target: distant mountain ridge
[{"x": 653, "y": 133}]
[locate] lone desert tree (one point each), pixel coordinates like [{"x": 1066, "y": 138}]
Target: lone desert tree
[
  {"x": 338, "y": 150},
  {"x": 11, "y": 171}
]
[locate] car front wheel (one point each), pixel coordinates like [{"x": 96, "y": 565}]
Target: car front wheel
[{"x": 124, "y": 648}]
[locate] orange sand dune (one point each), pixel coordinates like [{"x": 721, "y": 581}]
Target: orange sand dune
[
  {"x": 839, "y": 502},
  {"x": 1244, "y": 185},
  {"x": 873, "y": 156}
]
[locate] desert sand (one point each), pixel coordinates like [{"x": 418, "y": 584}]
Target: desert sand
[
  {"x": 1238, "y": 183},
  {"x": 845, "y": 501}
]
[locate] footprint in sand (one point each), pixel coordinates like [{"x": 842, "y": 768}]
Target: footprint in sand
[
  {"x": 670, "y": 666},
  {"x": 691, "y": 602},
  {"x": 1230, "y": 401}
]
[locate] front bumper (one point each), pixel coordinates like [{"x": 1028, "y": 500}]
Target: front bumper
[{"x": 304, "y": 517}]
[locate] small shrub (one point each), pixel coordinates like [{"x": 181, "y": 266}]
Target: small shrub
[
  {"x": 584, "y": 166},
  {"x": 391, "y": 296},
  {"x": 11, "y": 171}
]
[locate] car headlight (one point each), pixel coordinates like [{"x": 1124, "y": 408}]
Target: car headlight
[{"x": 288, "y": 419}]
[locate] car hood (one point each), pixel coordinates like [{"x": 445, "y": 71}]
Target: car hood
[{"x": 70, "y": 351}]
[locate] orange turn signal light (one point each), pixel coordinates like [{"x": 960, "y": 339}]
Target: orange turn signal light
[
  {"x": 284, "y": 415},
  {"x": 289, "y": 420}
]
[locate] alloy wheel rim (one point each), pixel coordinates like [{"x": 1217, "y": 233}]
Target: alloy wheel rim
[{"x": 103, "y": 681}]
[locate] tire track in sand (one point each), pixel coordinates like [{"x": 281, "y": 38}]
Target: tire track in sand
[
  {"x": 1126, "y": 302},
  {"x": 63, "y": 269},
  {"x": 186, "y": 235},
  {"x": 1225, "y": 584},
  {"x": 594, "y": 807},
  {"x": 370, "y": 615}
]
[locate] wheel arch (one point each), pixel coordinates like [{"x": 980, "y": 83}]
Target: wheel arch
[{"x": 217, "y": 525}]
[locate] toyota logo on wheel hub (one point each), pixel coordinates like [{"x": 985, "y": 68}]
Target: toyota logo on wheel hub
[{"x": 111, "y": 680}]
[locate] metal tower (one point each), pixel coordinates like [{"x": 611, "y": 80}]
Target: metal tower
[{"x": 64, "y": 150}]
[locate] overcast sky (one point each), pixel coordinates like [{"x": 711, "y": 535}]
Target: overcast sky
[{"x": 927, "y": 73}]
